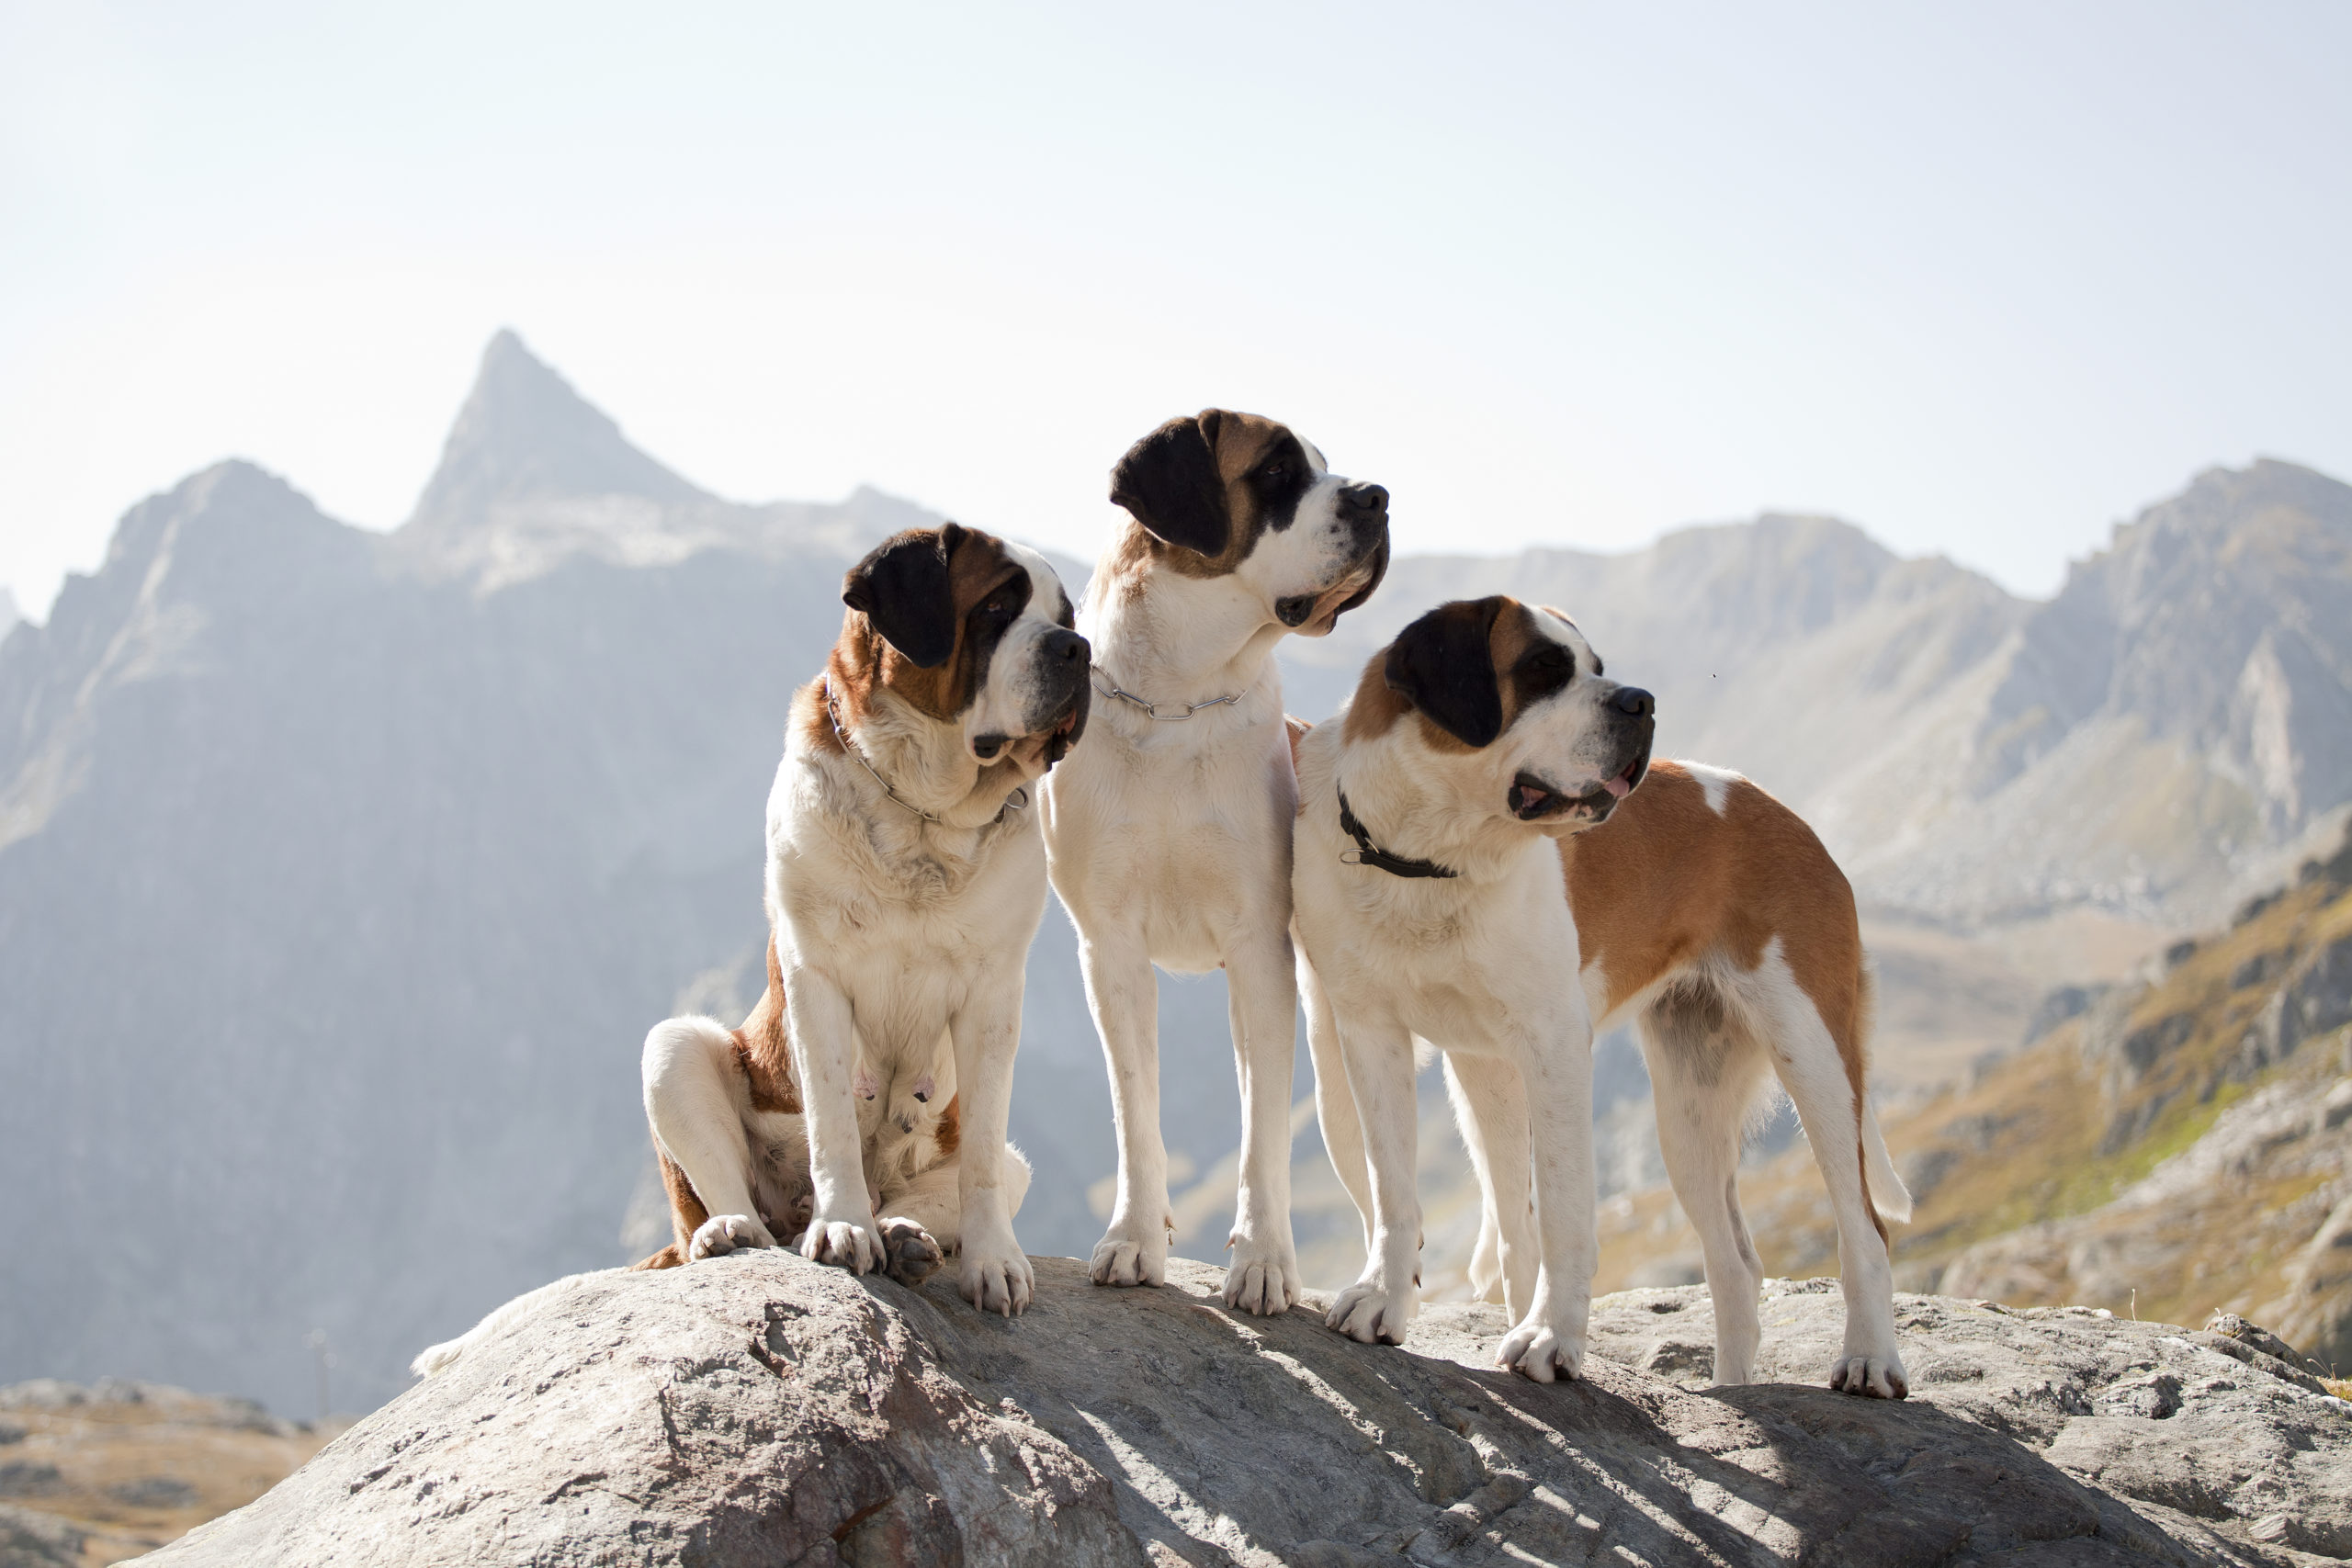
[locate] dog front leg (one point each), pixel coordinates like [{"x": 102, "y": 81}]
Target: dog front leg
[
  {"x": 822, "y": 1032},
  {"x": 1124, "y": 995},
  {"x": 1379, "y": 1305},
  {"x": 992, "y": 1272},
  {"x": 1556, "y": 1067},
  {"x": 1262, "y": 993}
]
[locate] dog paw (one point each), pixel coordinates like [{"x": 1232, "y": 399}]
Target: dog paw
[
  {"x": 1261, "y": 1280},
  {"x": 1126, "y": 1257},
  {"x": 722, "y": 1233},
  {"x": 994, "y": 1280},
  {"x": 912, "y": 1255},
  {"x": 847, "y": 1243},
  {"x": 1371, "y": 1314},
  {"x": 1541, "y": 1352},
  {"x": 1871, "y": 1377}
]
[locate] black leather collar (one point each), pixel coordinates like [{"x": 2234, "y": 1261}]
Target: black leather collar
[{"x": 1367, "y": 853}]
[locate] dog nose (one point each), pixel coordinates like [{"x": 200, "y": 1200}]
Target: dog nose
[
  {"x": 1634, "y": 702},
  {"x": 1370, "y": 501},
  {"x": 1066, "y": 647}
]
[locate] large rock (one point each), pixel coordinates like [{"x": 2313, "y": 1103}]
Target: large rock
[{"x": 761, "y": 1409}]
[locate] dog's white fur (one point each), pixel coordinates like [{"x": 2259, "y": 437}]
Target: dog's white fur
[
  {"x": 1170, "y": 845},
  {"x": 901, "y": 943},
  {"x": 1470, "y": 963},
  {"x": 902, "y": 940},
  {"x": 1474, "y": 965}
]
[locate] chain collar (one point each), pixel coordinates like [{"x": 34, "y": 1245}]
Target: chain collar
[
  {"x": 1152, "y": 709},
  {"x": 1016, "y": 801},
  {"x": 1367, "y": 853}
]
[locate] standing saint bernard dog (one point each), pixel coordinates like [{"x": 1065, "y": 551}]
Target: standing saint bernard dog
[
  {"x": 1449, "y": 878},
  {"x": 905, "y": 881},
  {"x": 1169, "y": 834}
]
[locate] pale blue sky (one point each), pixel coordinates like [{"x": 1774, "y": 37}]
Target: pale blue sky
[{"x": 1982, "y": 279}]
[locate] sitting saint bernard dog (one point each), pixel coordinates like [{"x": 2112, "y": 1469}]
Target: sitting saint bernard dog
[
  {"x": 1169, "y": 835},
  {"x": 904, "y": 880},
  {"x": 1452, "y": 871}
]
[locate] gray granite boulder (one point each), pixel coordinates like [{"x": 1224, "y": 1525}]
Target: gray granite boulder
[{"x": 759, "y": 1409}]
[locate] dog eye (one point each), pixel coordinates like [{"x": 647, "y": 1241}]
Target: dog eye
[
  {"x": 1274, "y": 473},
  {"x": 1555, "y": 661}
]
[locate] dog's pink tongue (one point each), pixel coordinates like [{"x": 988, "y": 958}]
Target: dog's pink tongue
[{"x": 1618, "y": 786}]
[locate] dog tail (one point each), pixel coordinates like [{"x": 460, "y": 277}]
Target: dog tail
[
  {"x": 435, "y": 1359},
  {"x": 1888, "y": 1195}
]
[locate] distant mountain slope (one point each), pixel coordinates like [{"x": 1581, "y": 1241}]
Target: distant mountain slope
[
  {"x": 341, "y": 876},
  {"x": 2153, "y": 741}
]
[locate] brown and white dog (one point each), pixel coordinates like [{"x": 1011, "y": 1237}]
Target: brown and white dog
[
  {"x": 1471, "y": 876},
  {"x": 1169, "y": 834},
  {"x": 905, "y": 881}
]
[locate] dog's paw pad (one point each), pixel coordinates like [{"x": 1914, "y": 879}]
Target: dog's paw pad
[{"x": 912, "y": 1255}]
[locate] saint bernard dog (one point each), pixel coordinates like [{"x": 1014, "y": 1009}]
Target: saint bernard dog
[
  {"x": 1169, "y": 834},
  {"x": 905, "y": 877},
  {"x": 1452, "y": 871}
]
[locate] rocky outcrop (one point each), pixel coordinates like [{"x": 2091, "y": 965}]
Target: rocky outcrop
[{"x": 761, "y": 1409}]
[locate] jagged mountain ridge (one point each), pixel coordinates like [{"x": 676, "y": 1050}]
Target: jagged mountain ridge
[
  {"x": 2156, "y": 740},
  {"x": 340, "y": 876},
  {"x": 456, "y": 813}
]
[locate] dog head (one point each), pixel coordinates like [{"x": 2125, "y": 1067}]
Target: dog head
[
  {"x": 1514, "y": 699},
  {"x": 970, "y": 631},
  {"x": 1242, "y": 498}
]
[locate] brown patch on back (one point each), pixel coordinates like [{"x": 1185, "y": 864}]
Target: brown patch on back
[
  {"x": 668, "y": 1258},
  {"x": 1666, "y": 879},
  {"x": 863, "y": 660}
]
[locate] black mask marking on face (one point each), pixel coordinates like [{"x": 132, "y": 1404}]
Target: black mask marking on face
[
  {"x": 1546, "y": 671},
  {"x": 1279, "y": 481},
  {"x": 985, "y": 628}
]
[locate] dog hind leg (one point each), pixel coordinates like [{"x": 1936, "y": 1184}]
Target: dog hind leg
[
  {"x": 1490, "y": 1108},
  {"x": 1705, "y": 1070},
  {"x": 1335, "y": 1102},
  {"x": 1805, "y": 1053},
  {"x": 691, "y": 1102}
]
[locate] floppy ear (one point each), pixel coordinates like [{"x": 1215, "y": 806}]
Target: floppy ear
[
  {"x": 1444, "y": 663},
  {"x": 902, "y": 589},
  {"x": 1169, "y": 482}
]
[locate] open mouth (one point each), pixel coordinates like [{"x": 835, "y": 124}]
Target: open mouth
[{"x": 1531, "y": 799}]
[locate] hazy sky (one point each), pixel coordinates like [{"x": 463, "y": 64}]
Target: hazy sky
[{"x": 1981, "y": 278}]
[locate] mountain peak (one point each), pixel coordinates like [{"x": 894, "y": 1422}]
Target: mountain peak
[
  {"x": 8, "y": 616},
  {"x": 523, "y": 436}
]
